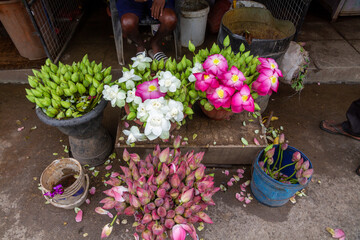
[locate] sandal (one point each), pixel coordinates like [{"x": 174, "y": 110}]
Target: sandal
[
  {"x": 143, "y": 52},
  {"x": 332, "y": 127},
  {"x": 358, "y": 171},
  {"x": 158, "y": 56}
]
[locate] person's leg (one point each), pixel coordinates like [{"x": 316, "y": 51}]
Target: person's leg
[{"x": 352, "y": 125}]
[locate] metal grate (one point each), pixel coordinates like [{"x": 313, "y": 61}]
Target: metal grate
[
  {"x": 55, "y": 22},
  {"x": 292, "y": 10}
]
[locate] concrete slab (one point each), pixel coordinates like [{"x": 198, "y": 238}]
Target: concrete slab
[
  {"x": 318, "y": 31},
  {"x": 15, "y": 76},
  {"x": 355, "y": 44},
  {"x": 348, "y": 27}
]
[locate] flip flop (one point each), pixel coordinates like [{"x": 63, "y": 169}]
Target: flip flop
[
  {"x": 143, "y": 52},
  {"x": 332, "y": 127},
  {"x": 158, "y": 56},
  {"x": 358, "y": 171}
]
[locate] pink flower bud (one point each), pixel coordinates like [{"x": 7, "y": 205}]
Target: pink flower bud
[
  {"x": 195, "y": 208},
  {"x": 190, "y": 179},
  {"x": 175, "y": 181},
  {"x": 299, "y": 173},
  {"x": 151, "y": 206},
  {"x": 143, "y": 171},
  {"x": 154, "y": 215},
  {"x": 126, "y": 171},
  {"x": 193, "y": 219},
  {"x": 159, "y": 202},
  {"x": 196, "y": 199},
  {"x": 169, "y": 223},
  {"x": 156, "y": 151},
  {"x": 270, "y": 161},
  {"x": 179, "y": 210},
  {"x": 306, "y": 165},
  {"x": 165, "y": 169},
  {"x": 296, "y": 156},
  {"x": 135, "y": 157},
  {"x": 161, "y": 193},
  {"x": 147, "y": 235},
  {"x": 106, "y": 231},
  {"x": 203, "y": 216},
  {"x": 170, "y": 214},
  {"x": 177, "y": 142},
  {"x": 179, "y": 219},
  {"x": 126, "y": 155},
  {"x": 229, "y": 183},
  {"x": 181, "y": 171},
  {"x": 166, "y": 186},
  {"x": 299, "y": 164},
  {"x": 135, "y": 173},
  {"x": 282, "y": 138},
  {"x": 284, "y": 146},
  {"x": 157, "y": 229},
  {"x": 198, "y": 157},
  {"x": 134, "y": 201},
  {"x": 187, "y": 196},
  {"x": 161, "y": 211},
  {"x": 308, "y": 173},
  {"x": 142, "y": 180},
  {"x": 261, "y": 164},
  {"x": 140, "y": 228},
  {"x": 192, "y": 164},
  {"x": 150, "y": 224},
  {"x": 188, "y": 204},
  {"x": 129, "y": 211},
  {"x": 166, "y": 204},
  {"x": 119, "y": 207},
  {"x": 164, "y": 155},
  {"x": 303, "y": 181},
  {"x": 270, "y": 153},
  {"x": 199, "y": 173},
  {"x": 187, "y": 213},
  {"x": 161, "y": 178},
  {"x": 146, "y": 219},
  {"x": 174, "y": 193}
]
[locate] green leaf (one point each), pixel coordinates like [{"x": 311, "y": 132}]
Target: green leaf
[{"x": 226, "y": 41}]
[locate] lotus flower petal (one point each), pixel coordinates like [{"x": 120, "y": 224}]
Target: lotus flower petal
[
  {"x": 101, "y": 211},
  {"x": 92, "y": 190},
  {"x": 336, "y": 233},
  {"x": 178, "y": 232},
  {"x": 106, "y": 231},
  {"x": 79, "y": 216},
  {"x": 203, "y": 216}
]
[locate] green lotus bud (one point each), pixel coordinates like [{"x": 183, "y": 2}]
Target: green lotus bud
[
  {"x": 29, "y": 92},
  {"x": 53, "y": 68},
  {"x": 226, "y": 41},
  {"x": 38, "y": 102},
  {"x": 84, "y": 71},
  {"x": 131, "y": 116},
  {"x": 81, "y": 89},
  {"x": 242, "y": 48},
  {"x": 84, "y": 58},
  {"x": 191, "y": 46},
  {"x": 60, "y": 115},
  {"x": 67, "y": 92},
  {"x": 90, "y": 71},
  {"x": 49, "y": 114},
  {"x": 65, "y": 104},
  {"x": 193, "y": 94},
  {"x": 168, "y": 64},
  {"x": 89, "y": 78},
  {"x": 96, "y": 69},
  {"x": 75, "y": 77},
  {"x": 86, "y": 83},
  {"x": 179, "y": 67},
  {"x": 95, "y": 83},
  {"x": 98, "y": 76},
  {"x": 82, "y": 66},
  {"x": 246, "y": 54},
  {"x": 107, "y": 72},
  {"x": 248, "y": 59},
  {"x": 214, "y": 49},
  {"x": 100, "y": 88},
  {"x": 154, "y": 65},
  {"x": 59, "y": 91},
  {"x": 63, "y": 70},
  {"x": 30, "y": 98},
  {"x": 189, "y": 111},
  {"x": 107, "y": 79},
  {"x": 32, "y": 82},
  {"x": 52, "y": 111},
  {"x": 45, "y": 101},
  {"x": 45, "y": 75},
  {"x": 56, "y": 79},
  {"x": 92, "y": 91},
  {"x": 192, "y": 101},
  {"x": 48, "y": 62},
  {"x": 36, "y": 73},
  {"x": 37, "y": 92},
  {"x": 67, "y": 76},
  {"x": 70, "y": 68},
  {"x": 92, "y": 64},
  {"x": 208, "y": 107},
  {"x": 188, "y": 63},
  {"x": 64, "y": 85},
  {"x": 253, "y": 69},
  {"x": 161, "y": 64},
  {"x": 55, "y": 103},
  {"x": 46, "y": 94},
  {"x": 52, "y": 84},
  {"x": 76, "y": 114},
  {"x": 68, "y": 113},
  {"x": 48, "y": 69},
  {"x": 80, "y": 106}
]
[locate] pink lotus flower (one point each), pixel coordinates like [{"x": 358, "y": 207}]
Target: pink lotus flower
[
  {"x": 220, "y": 96},
  {"x": 215, "y": 64},
  {"x": 178, "y": 232},
  {"x": 266, "y": 83},
  {"x": 233, "y": 78},
  {"x": 118, "y": 193},
  {"x": 204, "y": 81},
  {"x": 149, "y": 90},
  {"x": 269, "y": 63},
  {"x": 242, "y": 100}
]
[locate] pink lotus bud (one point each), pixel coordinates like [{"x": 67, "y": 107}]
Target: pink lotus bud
[
  {"x": 308, "y": 173},
  {"x": 198, "y": 157},
  {"x": 162, "y": 236},
  {"x": 195, "y": 208},
  {"x": 119, "y": 207},
  {"x": 230, "y": 184},
  {"x": 177, "y": 142},
  {"x": 135, "y": 173},
  {"x": 151, "y": 206},
  {"x": 187, "y": 213},
  {"x": 299, "y": 164},
  {"x": 150, "y": 180},
  {"x": 142, "y": 180},
  {"x": 164, "y": 155},
  {"x": 306, "y": 165},
  {"x": 193, "y": 219},
  {"x": 156, "y": 151},
  {"x": 126, "y": 155},
  {"x": 166, "y": 204},
  {"x": 196, "y": 199},
  {"x": 146, "y": 209},
  {"x": 143, "y": 171},
  {"x": 170, "y": 214},
  {"x": 165, "y": 169},
  {"x": 157, "y": 229},
  {"x": 161, "y": 211},
  {"x": 261, "y": 164},
  {"x": 132, "y": 164},
  {"x": 154, "y": 215},
  {"x": 144, "y": 200},
  {"x": 166, "y": 186},
  {"x": 179, "y": 210},
  {"x": 150, "y": 224},
  {"x": 140, "y": 228},
  {"x": 175, "y": 181},
  {"x": 169, "y": 223},
  {"x": 190, "y": 179},
  {"x": 178, "y": 233},
  {"x": 181, "y": 172},
  {"x": 147, "y": 235},
  {"x": 174, "y": 193},
  {"x": 126, "y": 171},
  {"x": 270, "y": 161},
  {"x": 126, "y": 197},
  {"x": 159, "y": 202},
  {"x": 161, "y": 178},
  {"x": 188, "y": 204},
  {"x": 282, "y": 138},
  {"x": 129, "y": 211},
  {"x": 284, "y": 146},
  {"x": 135, "y": 157},
  {"x": 161, "y": 193},
  {"x": 146, "y": 219},
  {"x": 203, "y": 216},
  {"x": 200, "y": 172},
  {"x": 270, "y": 153},
  {"x": 336, "y": 233},
  {"x": 303, "y": 181},
  {"x": 187, "y": 196},
  {"x": 192, "y": 164},
  {"x": 296, "y": 156},
  {"x": 179, "y": 219},
  {"x": 106, "y": 231},
  {"x": 299, "y": 173},
  {"x": 134, "y": 201}
]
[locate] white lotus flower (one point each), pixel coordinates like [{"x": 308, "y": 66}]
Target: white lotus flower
[
  {"x": 168, "y": 82},
  {"x": 141, "y": 62},
  {"x": 142, "y": 113},
  {"x": 134, "y": 135},
  {"x": 129, "y": 75},
  {"x": 115, "y": 95},
  {"x": 175, "y": 112},
  {"x": 157, "y": 126},
  {"x": 131, "y": 97},
  {"x": 158, "y": 105},
  {"x": 196, "y": 69}
]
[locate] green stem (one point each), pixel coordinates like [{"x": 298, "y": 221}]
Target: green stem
[
  {"x": 113, "y": 220},
  {"x": 159, "y": 166},
  {"x": 281, "y": 158},
  {"x": 285, "y": 167},
  {"x": 290, "y": 176},
  {"x": 279, "y": 153}
]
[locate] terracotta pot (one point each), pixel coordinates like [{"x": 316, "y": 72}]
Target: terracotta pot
[{"x": 217, "y": 114}]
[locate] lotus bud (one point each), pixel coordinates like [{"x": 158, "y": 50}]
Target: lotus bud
[
  {"x": 299, "y": 164},
  {"x": 174, "y": 193},
  {"x": 156, "y": 151},
  {"x": 195, "y": 208},
  {"x": 134, "y": 201},
  {"x": 303, "y": 180},
  {"x": 126, "y": 155},
  {"x": 308, "y": 173},
  {"x": 135, "y": 157},
  {"x": 162, "y": 236},
  {"x": 126, "y": 197},
  {"x": 157, "y": 229},
  {"x": 147, "y": 235},
  {"x": 140, "y": 228},
  {"x": 135, "y": 173},
  {"x": 159, "y": 201},
  {"x": 170, "y": 214},
  {"x": 106, "y": 231},
  {"x": 154, "y": 215},
  {"x": 190, "y": 178},
  {"x": 164, "y": 155},
  {"x": 161, "y": 193},
  {"x": 165, "y": 169},
  {"x": 165, "y": 186},
  {"x": 188, "y": 204},
  {"x": 160, "y": 179},
  {"x": 179, "y": 219},
  {"x": 161, "y": 211},
  {"x": 187, "y": 213},
  {"x": 199, "y": 173},
  {"x": 299, "y": 173},
  {"x": 205, "y": 185},
  {"x": 305, "y": 165},
  {"x": 150, "y": 180},
  {"x": 166, "y": 204},
  {"x": 203, "y": 216},
  {"x": 282, "y": 138},
  {"x": 151, "y": 206},
  {"x": 129, "y": 211},
  {"x": 131, "y": 164},
  {"x": 203, "y": 206},
  {"x": 143, "y": 172},
  {"x": 142, "y": 164},
  {"x": 175, "y": 181},
  {"x": 150, "y": 170},
  {"x": 177, "y": 142},
  {"x": 284, "y": 146},
  {"x": 198, "y": 157},
  {"x": 179, "y": 210},
  {"x": 193, "y": 219},
  {"x": 270, "y": 161},
  {"x": 142, "y": 192},
  {"x": 169, "y": 223},
  {"x": 150, "y": 224},
  {"x": 146, "y": 219},
  {"x": 119, "y": 207},
  {"x": 181, "y": 171},
  {"x": 126, "y": 171},
  {"x": 270, "y": 153},
  {"x": 142, "y": 180},
  {"x": 196, "y": 199},
  {"x": 153, "y": 188},
  {"x": 296, "y": 156}
]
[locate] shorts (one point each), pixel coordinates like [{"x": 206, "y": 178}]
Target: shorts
[{"x": 140, "y": 9}]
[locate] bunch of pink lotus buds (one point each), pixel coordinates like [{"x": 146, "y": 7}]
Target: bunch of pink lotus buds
[
  {"x": 167, "y": 193},
  {"x": 301, "y": 173}
]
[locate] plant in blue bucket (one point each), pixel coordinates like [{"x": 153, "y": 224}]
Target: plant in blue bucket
[{"x": 279, "y": 172}]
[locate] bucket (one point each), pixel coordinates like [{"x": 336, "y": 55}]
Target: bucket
[
  {"x": 269, "y": 191},
  {"x": 193, "y": 18},
  {"x": 65, "y": 171}
]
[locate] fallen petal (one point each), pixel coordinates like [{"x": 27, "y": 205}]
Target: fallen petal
[
  {"x": 92, "y": 190},
  {"x": 79, "y": 216},
  {"x": 126, "y": 125},
  {"x": 87, "y": 201},
  {"x": 115, "y": 174},
  {"x": 226, "y": 172},
  {"x": 108, "y": 167},
  {"x": 106, "y": 231},
  {"x": 100, "y": 210}
]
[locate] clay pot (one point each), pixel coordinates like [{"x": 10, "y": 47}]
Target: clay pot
[{"x": 217, "y": 114}]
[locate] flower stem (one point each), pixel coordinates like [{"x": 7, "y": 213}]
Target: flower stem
[
  {"x": 284, "y": 167},
  {"x": 159, "y": 166},
  {"x": 290, "y": 176},
  {"x": 279, "y": 153},
  {"x": 281, "y": 158},
  {"x": 112, "y": 223}
]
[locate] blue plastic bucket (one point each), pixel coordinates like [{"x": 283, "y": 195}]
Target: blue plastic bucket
[{"x": 269, "y": 191}]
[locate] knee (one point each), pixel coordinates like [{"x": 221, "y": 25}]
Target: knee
[
  {"x": 129, "y": 22},
  {"x": 168, "y": 19}
]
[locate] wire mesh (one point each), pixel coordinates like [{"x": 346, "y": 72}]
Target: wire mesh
[
  {"x": 56, "y": 21},
  {"x": 292, "y": 10}
]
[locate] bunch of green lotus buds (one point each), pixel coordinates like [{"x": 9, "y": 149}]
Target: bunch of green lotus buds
[
  {"x": 67, "y": 91},
  {"x": 167, "y": 190}
]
